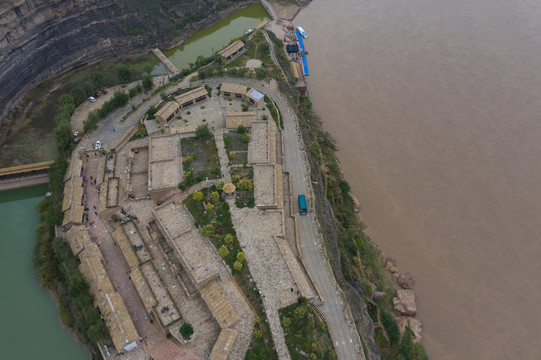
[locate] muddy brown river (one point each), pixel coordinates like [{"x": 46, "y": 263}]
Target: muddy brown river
[{"x": 436, "y": 106}]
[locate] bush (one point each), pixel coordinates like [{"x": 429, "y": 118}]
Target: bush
[
  {"x": 223, "y": 251},
  {"x": 245, "y": 138},
  {"x": 258, "y": 335},
  {"x": 203, "y": 133},
  {"x": 186, "y": 330},
  {"x": 214, "y": 197},
  {"x": 241, "y": 129},
  {"x": 237, "y": 266},
  {"x": 391, "y": 328},
  {"x": 197, "y": 196},
  {"x": 123, "y": 73}
]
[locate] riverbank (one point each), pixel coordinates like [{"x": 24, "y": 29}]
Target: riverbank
[{"x": 25, "y": 182}]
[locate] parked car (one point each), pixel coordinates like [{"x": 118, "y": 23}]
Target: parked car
[
  {"x": 98, "y": 145},
  {"x": 76, "y": 134},
  {"x": 103, "y": 91},
  {"x": 97, "y": 95},
  {"x": 92, "y": 99},
  {"x": 123, "y": 85}
]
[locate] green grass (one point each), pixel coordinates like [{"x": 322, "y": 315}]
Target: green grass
[
  {"x": 205, "y": 162},
  {"x": 307, "y": 334}
]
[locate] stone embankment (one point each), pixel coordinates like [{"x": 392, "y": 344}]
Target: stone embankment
[{"x": 404, "y": 302}]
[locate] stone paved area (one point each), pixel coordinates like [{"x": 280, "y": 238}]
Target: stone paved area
[
  {"x": 264, "y": 185},
  {"x": 258, "y": 147},
  {"x": 255, "y": 229}
]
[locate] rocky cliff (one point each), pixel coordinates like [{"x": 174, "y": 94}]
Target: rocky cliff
[{"x": 40, "y": 38}]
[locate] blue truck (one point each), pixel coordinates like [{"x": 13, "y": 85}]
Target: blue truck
[{"x": 302, "y": 205}]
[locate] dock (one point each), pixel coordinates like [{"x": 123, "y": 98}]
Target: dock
[
  {"x": 164, "y": 60},
  {"x": 302, "y": 53}
]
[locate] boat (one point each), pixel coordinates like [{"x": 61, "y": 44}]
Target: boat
[{"x": 302, "y": 32}]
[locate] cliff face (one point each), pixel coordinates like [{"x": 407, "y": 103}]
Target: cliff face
[{"x": 40, "y": 38}]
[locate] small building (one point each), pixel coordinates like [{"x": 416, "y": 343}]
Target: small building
[
  {"x": 233, "y": 50},
  {"x": 192, "y": 97},
  {"x": 255, "y": 97},
  {"x": 292, "y": 48},
  {"x": 233, "y": 90},
  {"x": 168, "y": 111},
  {"x": 235, "y": 118}
]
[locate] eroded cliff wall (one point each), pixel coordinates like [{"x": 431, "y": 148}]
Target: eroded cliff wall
[{"x": 40, "y": 38}]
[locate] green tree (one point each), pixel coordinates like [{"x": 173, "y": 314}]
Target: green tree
[
  {"x": 229, "y": 239},
  {"x": 163, "y": 95},
  {"x": 237, "y": 265},
  {"x": 207, "y": 230},
  {"x": 197, "y": 196},
  {"x": 123, "y": 73},
  {"x": 220, "y": 185},
  {"x": 248, "y": 185},
  {"x": 203, "y": 133},
  {"x": 78, "y": 95},
  {"x": 148, "y": 69},
  {"x": 245, "y": 138},
  {"x": 223, "y": 251},
  {"x": 258, "y": 335},
  {"x": 241, "y": 257},
  {"x": 256, "y": 320},
  {"x": 208, "y": 207},
  {"x": 286, "y": 322},
  {"x": 232, "y": 155},
  {"x": 214, "y": 197},
  {"x": 299, "y": 312},
  {"x": 241, "y": 129},
  {"x": 97, "y": 80},
  {"x": 66, "y": 99},
  {"x": 260, "y": 73},
  {"x": 186, "y": 330},
  {"x": 313, "y": 356},
  {"x": 148, "y": 84},
  {"x": 62, "y": 135},
  {"x": 87, "y": 88}
]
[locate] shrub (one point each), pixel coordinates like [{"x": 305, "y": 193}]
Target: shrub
[
  {"x": 229, "y": 239},
  {"x": 209, "y": 207},
  {"x": 241, "y": 257},
  {"x": 197, "y": 196},
  {"x": 203, "y": 133},
  {"x": 123, "y": 74},
  {"x": 223, "y": 251},
  {"x": 241, "y": 129},
  {"x": 391, "y": 328},
  {"x": 237, "y": 266},
  {"x": 245, "y": 138},
  {"x": 220, "y": 185},
  {"x": 258, "y": 335},
  {"x": 186, "y": 330},
  {"x": 214, "y": 197}
]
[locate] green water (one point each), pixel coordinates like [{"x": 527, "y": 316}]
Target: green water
[
  {"x": 215, "y": 37},
  {"x": 30, "y": 327}
]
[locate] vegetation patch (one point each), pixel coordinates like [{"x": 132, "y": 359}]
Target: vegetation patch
[
  {"x": 243, "y": 179},
  {"x": 216, "y": 224},
  {"x": 306, "y": 335},
  {"x": 200, "y": 157}
]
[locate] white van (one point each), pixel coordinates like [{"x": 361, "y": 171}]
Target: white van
[{"x": 92, "y": 99}]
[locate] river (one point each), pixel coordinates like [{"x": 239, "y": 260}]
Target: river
[
  {"x": 30, "y": 327},
  {"x": 435, "y": 106}
]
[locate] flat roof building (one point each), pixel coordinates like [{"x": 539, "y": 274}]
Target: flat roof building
[
  {"x": 192, "y": 97},
  {"x": 168, "y": 111},
  {"x": 236, "y": 118},
  {"x": 164, "y": 165},
  {"x": 233, "y": 50}
]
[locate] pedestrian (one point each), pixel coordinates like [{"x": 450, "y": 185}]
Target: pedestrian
[
  {"x": 94, "y": 206},
  {"x": 95, "y": 213}
]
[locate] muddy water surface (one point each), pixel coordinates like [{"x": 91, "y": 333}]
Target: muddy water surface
[{"x": 436, "y": 106}]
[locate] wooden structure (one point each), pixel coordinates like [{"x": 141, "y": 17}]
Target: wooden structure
[
  {"x": 233, "y": 50},
  {"x": 168, "y": 111},
  {"x": 164, "y": 165},
  {"x": 192, "y": 97},
  {"x": 233, "y": 90}
]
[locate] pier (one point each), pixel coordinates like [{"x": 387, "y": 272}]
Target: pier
[{"x": 164, "y": 60}]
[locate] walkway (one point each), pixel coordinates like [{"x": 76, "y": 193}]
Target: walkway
[{"x": 168, "y": 64}]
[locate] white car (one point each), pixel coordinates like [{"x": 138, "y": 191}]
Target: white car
[
  {"x": 98, "y": 145},
  {"x": 76, "y": 134},
  {"x": 92, "y": 99}
]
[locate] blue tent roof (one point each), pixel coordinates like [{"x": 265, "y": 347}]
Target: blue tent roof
[{"x": 256, "y": 95}]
